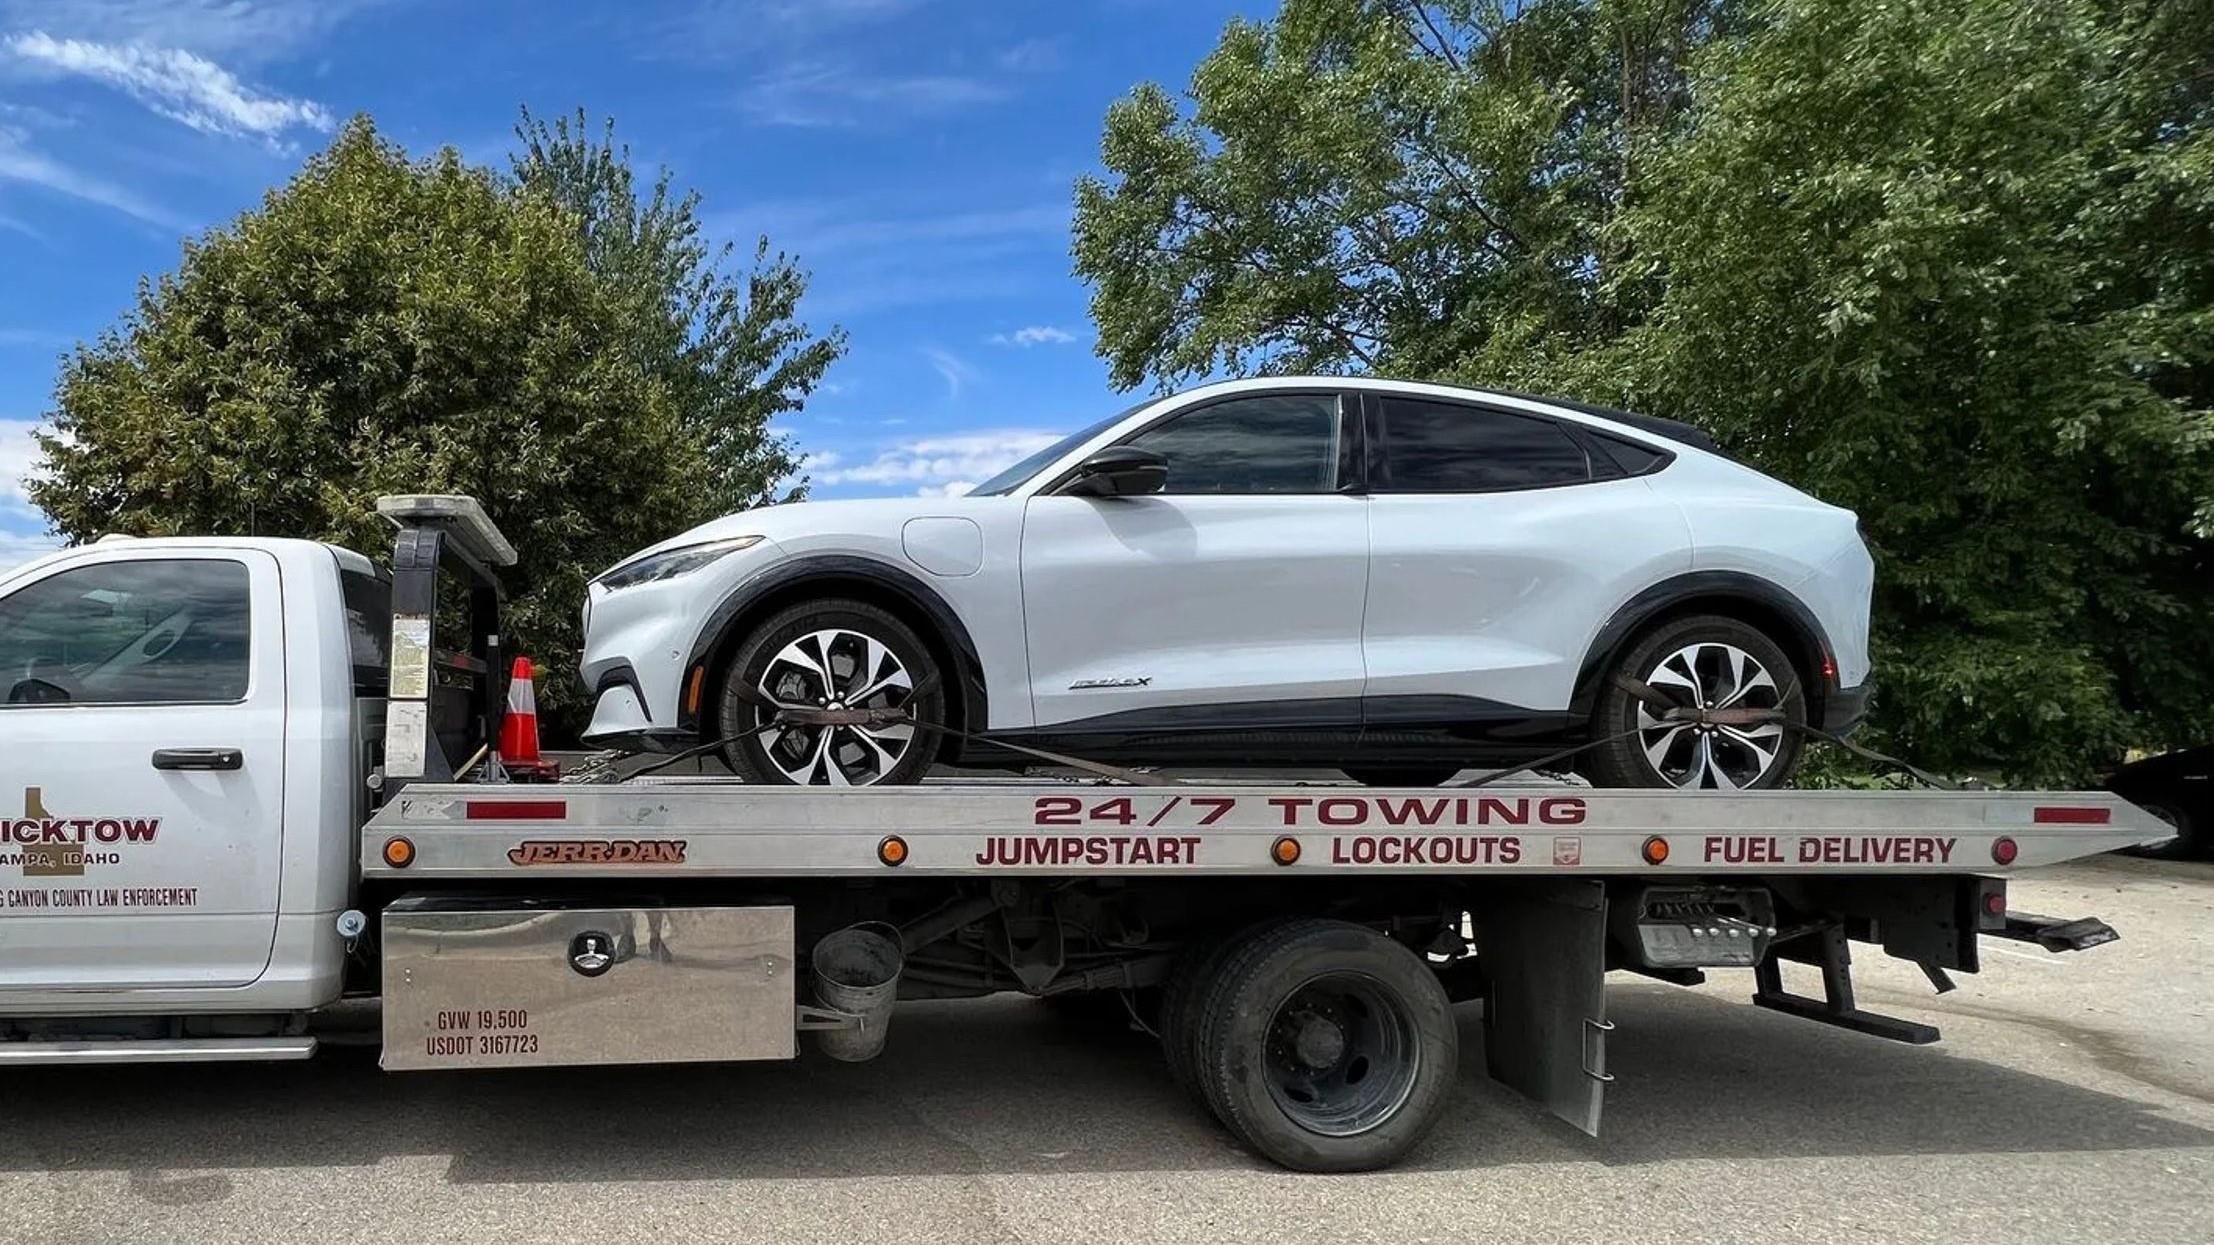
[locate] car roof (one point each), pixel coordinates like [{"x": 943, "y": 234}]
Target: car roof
[{"x": 1674, "y": 430}]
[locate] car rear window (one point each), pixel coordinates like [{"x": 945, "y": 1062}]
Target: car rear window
[{"x": 1442, "y": 447}]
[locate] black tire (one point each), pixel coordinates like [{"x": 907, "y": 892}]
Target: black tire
[
  {"x": 1357, "y": 1084},
  {"x": 1400, "y": 775},
  {"x": 748, "y": 749},
  {"x": 1182, "y": 1003},
  {"x": 1623, "y": 760}
]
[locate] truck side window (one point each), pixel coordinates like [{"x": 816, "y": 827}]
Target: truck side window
[
  {"x": 368, "y": 630},
  {"x": 157, "y": 631}
]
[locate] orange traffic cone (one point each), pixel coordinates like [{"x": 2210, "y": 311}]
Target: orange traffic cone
[{"x": 519, "y": 727}]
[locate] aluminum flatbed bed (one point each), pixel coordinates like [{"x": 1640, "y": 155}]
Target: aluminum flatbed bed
[{"x": 720, "y": 828}]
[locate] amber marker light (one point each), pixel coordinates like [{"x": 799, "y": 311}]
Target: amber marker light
[
  {"x": 891, "y": 850},
  {"x": 399, "y": 853},
  {"x": 1284, "y": 851},
  {"x": 1655, "y": 850}
]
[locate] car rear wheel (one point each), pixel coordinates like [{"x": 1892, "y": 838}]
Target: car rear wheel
[
  {"x": 1699, "y": 661},
  {"x": 835, "y": 654}
]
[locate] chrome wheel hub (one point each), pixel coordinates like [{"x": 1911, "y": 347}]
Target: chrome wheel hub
[
  {"x": 1709, "y": 755},
  {"x": 836, "y": 669}
]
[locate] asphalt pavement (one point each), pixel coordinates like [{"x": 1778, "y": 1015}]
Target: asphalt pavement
[{"x": 2072, "y": 1100}]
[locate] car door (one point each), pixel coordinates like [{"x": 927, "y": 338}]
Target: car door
[
  {"x": 1231, "y": 599},
  {"x": 1502, "y": 540},
  {"x": 141, "y": 770}
]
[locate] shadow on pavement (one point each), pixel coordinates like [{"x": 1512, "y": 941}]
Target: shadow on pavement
[{"x": 1010, "y": 1086}]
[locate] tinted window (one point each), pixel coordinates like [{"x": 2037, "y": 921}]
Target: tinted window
[
  {"x": 1634, "y": 459},
  {"x": 1436, "y": 447},
  {"x": 368, "y": 629},
  {"x": 1286, "y": 443},
  {"x": 151, "y": 632}
]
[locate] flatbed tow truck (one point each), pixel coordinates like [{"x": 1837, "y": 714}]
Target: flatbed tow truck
[{"x": 238, "y": 761}]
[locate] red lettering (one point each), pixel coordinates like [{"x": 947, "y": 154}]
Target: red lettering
[
  {"x": 1342, "y": 811},
  {"x": 1490, "y": 810},
  {"x": 1290, "y": 804},
  {"x": 1420, "y": 812},
  {"x": 1566, "y": 810}
]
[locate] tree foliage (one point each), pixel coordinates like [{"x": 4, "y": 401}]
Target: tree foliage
[
  {"x": 729, "y": 347},
  {"x": 1947, "y": 262},
  {"x": 387, "y": 325}
]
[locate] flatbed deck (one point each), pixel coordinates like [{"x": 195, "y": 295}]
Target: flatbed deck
[{"x": 723, "y": 828}]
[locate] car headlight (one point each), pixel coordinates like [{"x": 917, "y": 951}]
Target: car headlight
[{"x": 670, "y": 563}]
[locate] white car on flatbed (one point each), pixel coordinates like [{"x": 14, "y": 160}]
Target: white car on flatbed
[
  {"x": 1393, "y": 578},
  {"x": 251, "y": 786}
]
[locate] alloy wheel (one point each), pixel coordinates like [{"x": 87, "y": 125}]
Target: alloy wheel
[
  {"x": 1711, "y": 675},
  {"x": 836, "y": 668}
]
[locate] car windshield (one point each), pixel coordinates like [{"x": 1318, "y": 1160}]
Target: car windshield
[{"x": 1016, "y": 476}]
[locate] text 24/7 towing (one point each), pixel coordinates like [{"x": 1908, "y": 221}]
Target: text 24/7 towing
[{"x": 236, "y": 760}]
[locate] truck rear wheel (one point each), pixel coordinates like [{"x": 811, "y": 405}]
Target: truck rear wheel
[{"x": 1325, "y": 1046}]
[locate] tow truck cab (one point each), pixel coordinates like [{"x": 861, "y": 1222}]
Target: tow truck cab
[{"x": 187, "y": 730}]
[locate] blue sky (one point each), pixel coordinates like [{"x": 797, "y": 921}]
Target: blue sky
[{"x": 917, "y": 156}]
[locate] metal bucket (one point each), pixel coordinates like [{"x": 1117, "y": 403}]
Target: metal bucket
[{"x": 857, "y": 972}]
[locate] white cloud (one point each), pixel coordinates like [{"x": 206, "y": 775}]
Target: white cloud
[
  {"x": 22, "y": 525},
  {"x": 1031, "y": 56},
  {"x": 18, "y": 163},
  {"x": 256, "y": 30},
  {"x": 180, "y": 85},
  {"x": 19, "y": 456},
  {"x": 954, "y": 488},
  {"x": 944, "y": 461},
  {"x": 1033, "y": 335},
  {"x": 952, "y": 368},
  {"x": 16, "y": 548},
  {"x": 816, "y": 94}
]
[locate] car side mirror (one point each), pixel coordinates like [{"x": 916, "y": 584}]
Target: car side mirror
[{"x": 1119, "y": 471}]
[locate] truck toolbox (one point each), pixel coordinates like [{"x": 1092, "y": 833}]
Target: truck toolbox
[{"x": 494, "y": 983}]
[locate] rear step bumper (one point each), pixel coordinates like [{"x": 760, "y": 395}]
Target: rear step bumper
[
  {"x": 2055, "y": 933},
  {"x": 158, "y": 1050}
]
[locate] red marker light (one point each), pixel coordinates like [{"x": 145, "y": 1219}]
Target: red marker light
[
  {"x": 2004, "y": 850},
  {"x": 2057, "y": 815},
  {"x": 1655, "y": 850},
  {"x": 1994, "y": 904}
]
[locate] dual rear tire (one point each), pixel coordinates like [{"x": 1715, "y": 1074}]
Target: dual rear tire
[{"x": 1322, "y": 1045}]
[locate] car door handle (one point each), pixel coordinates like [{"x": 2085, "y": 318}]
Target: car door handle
[{"x": 198, "y": 758}]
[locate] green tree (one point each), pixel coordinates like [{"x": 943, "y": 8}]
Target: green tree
[
  {"x": 729, "y": 347},
  {"x": 1947, "y": 262},
  {"x": 385, "y": 325}
]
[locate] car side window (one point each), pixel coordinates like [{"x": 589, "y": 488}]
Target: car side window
[
  {"x": 1275, "y": 443},
  {"x": 154, "y": 631},
  {"x": 1440, "y": 447}
]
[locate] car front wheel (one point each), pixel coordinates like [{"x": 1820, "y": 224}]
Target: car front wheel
[
  {"x": 835, "y": 654},
  {"x": 1702, "y": 661}
]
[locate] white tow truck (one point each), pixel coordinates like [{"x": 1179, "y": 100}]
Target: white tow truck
[{"x": 236, "y": 763}]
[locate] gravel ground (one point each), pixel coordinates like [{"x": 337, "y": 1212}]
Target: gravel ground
[{"x": 2071, "y": 1100}]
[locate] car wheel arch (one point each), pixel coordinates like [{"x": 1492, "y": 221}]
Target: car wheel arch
[
  {"x": 855, "y": 578},
  {"x": 1733, "y": 594}
]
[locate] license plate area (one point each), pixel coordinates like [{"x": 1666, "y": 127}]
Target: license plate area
[{"x": 494, "y": 984}]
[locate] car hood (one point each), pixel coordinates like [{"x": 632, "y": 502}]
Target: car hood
[{"x": 799, "y": 519}]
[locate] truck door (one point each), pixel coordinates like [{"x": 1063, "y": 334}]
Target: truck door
[{"x": 141, "y": 769}]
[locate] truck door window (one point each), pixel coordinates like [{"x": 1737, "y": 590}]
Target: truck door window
[{"x": 166, "y": 631}]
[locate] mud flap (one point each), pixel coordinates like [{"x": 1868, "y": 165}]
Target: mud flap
[{"x": 1544, "y": 952}]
